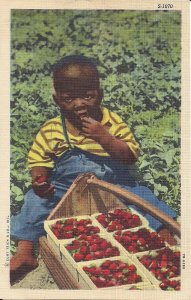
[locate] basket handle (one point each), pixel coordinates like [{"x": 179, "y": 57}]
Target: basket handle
[{"x": 131, "y": 198}]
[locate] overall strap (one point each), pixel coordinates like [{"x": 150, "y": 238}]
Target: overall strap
[{"x": 65, "y": 132}]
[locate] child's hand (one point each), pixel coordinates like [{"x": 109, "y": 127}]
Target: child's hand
[
  {"x": 93, "y": 129},
  {"x": 42, "y": 188}
]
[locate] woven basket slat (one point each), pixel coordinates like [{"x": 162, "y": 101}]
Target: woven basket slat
[{"x": 60, "y": 273}]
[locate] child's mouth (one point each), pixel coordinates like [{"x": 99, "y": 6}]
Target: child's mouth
[{"x": 82, "y": 113}]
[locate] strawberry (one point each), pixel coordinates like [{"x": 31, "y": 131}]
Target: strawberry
[
  {"x": 83, "y": 250},
  {"x": 105, "y": 272},
  {"x": 98, "y": 254},
  {"x": 141, "y": 242},
  {"x": 94, "y": 247},
  {"x": 173, "y": 283},
  {"x": 68, "y": 228},
  {"x": 153, "y": 265},
  {"x": 104, "y": 244},
  {"x": 78, "y": 257},
  {"x": 163, "y": 286},
  {"x": 106, "y": 263},
  {"x": 126, "y": 239},
  {"x": 100, "y": 282},
  {"x": 108, "y": 252},
  {"x": 81, "y": 229},
  {"x": 96, "y": 229},
  {"x": 69, "y": 221},
  {"x": 132, "y": 249},
  {"x": 41, "y": 179},
  {"x": 118, "y": 275},
  {"x": 111, "y": 228},
  {"x": 132, "y": 268},
  {"x": 67, "y": 235},
  {"x": 88, "y": 257}
]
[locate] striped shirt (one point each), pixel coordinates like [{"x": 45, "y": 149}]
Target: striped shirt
[{"x": 50, "y": 141}]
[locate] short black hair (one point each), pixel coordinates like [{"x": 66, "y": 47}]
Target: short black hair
[
  {"x": 74, "y": 59},
  {"x": 80, "y": 60}
]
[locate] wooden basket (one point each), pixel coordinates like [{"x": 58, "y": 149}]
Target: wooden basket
[{"x": 86, "y": 196}]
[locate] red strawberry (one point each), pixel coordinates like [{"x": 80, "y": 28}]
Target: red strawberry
[
  {"x": 83, "y": 250},
  {"x": 100, "y": 282},
  {"x": 132, "y": 268},
  {"x": 108, "y": 252},
  {"x": 69, "y": 221},
  {"x": 88, "y": 257},
  {"x": 118, "y": 275},
  {"x": 126, "y": 239},
  {"x": 163, "y": 264},
  {"x": 173, "y": 283},
  {"x": 122, "y": 265},
  {"x": 104, "y": 244},
  {"x": 95, "y": 229},
  {"x": 111, "y": 228},
  {"x": 105, "y": 272},
  {"x": 41, "y": 179},
  {"x": 98, "y": 254},
  {"x": 78, "y": 257},
  {"x": 163, "y": 286},
  {"x": 94, "y": 247},
  {"x": 153, "y": 265},
  {"x": 106, "y": 264},
  {"x": 81, "y": 229},
  {"x": 113, "y": 266},
  {"x": 132, "y": 249},
  {"x": 68, "y": 228},
  {"x": 90, "y": 270},
  {"x": 141, "y": 242},
  {"x": 67, "y": 235}
]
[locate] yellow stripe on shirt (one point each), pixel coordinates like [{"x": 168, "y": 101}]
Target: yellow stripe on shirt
[{"x": 50, "y": 141}]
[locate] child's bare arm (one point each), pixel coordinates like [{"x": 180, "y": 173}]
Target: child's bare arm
[
  {"x": 116, "y": 148},
  {"x": 40, "y": 182}
]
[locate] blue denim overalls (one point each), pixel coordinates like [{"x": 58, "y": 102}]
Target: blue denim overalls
[{"x": 28, "y": 224}]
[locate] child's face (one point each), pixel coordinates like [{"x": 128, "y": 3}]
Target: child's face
[{"x": 79, "y": 95}]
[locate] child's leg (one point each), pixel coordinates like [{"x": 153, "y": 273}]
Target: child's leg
[
  {"x": 23, "y": 261},
  {"x": 27, "y": 227},
  {"x": 147, "y": 195}
]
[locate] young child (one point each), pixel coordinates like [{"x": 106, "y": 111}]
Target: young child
[{"x": 85, "y": 137}]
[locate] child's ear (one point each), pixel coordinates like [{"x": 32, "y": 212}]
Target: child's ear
[{"x": 55, "y": 98}]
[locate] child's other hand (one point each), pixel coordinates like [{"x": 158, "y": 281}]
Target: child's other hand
[
  {"x": 93, "y": 129},
  {"x": 42, "y": 188}
]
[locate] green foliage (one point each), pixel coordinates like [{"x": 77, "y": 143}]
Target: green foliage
[{"x": 138, "y": 55}]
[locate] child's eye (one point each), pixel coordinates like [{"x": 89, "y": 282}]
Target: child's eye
[
  {"x": 88, "y": 97},
  {"x": 67, "y": 99}
]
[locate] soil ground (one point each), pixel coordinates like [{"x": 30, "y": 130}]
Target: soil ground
[{"x": 39, "y": 278}]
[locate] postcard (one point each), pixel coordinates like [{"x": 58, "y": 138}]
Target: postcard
[{"x": 95, "y": 165}]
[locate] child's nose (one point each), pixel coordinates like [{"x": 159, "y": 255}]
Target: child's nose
[{"x": 79, "y": 101}]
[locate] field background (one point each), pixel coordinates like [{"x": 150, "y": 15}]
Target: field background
[{"x": 138, "y": 57}]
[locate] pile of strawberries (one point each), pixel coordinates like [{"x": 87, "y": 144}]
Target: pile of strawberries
[
  {"x": 168, "y": 285},
  {"x": 164, "y": 264},
  {"x": 118, "y": 220},
  {"x": 70, "y": 228},
  {"x": 91, "y": 247},
  {"x": 112, "y": 273},
  {"x": 140, "y": 240}
]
